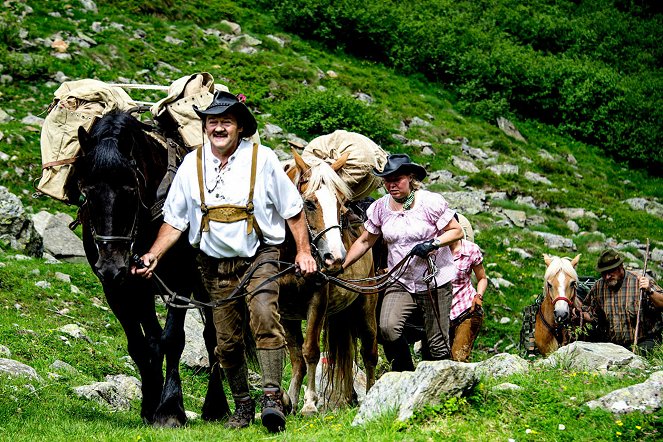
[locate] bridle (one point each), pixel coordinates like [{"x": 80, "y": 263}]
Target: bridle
[{"x": 558, "y": 329}]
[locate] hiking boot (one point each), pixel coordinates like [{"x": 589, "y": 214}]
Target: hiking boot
[
  {"x": 245, "y": 410},
  {"x": 275, "y": 405}
]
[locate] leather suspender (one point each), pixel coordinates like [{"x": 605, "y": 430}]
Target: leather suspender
[{"x": 229, "y": 213}]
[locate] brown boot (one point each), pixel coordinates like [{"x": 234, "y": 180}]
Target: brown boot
[
  {"x": 275, "y": 405},
  {"x": 245, "y": 410}
]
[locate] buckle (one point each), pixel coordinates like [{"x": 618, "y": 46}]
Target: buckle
[{"x": 432, "y": 271}]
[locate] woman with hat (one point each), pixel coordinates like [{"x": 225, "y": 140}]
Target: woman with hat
[
  {"x": 416, "y": 222},
  {"x": 614, "y": 300},
  {"x": 235, "y": 199}
]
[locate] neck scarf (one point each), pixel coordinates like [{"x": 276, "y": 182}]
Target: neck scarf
[{"x": 407, "y": 201}]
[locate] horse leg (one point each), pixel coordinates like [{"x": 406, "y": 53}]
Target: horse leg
[
  {"x": 311, "y": 348},
  {"x": 170, "y": 412},
  {"x": 216, "y": 406},
  {"x": 143, "y": 348},
  {"x": 366, "y": 312},
  {"x": 294, "y": 340}
]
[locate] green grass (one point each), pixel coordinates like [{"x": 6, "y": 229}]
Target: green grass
[{"x": 274, "y": 79}]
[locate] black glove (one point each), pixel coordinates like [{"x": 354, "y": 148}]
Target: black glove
[{"x": 422, "y": 250}]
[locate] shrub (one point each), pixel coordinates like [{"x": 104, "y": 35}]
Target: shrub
[{"x": 310, "y": 114}]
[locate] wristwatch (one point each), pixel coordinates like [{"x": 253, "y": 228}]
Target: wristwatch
[{"x": 436, "y": 243}]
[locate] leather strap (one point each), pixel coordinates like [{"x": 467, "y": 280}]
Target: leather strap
[{"x": 229, "y": 213}]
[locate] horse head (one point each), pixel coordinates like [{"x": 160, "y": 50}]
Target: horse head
[
  {"x": 324, "y": 194},
  {"x": 111, "y": 176},
  {"x": 560, "y": 284}
]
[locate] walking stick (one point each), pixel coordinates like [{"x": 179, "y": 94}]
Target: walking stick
[{"x": 637, "y": 318}]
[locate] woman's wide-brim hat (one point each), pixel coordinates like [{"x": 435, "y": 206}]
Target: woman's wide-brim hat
[
  {"x": 608, "y": 260},
  {"x": 400, "y": 164},
  {"x": 225, "y": 102}
]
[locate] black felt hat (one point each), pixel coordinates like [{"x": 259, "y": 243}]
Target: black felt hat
[
  {"x": 608, "y": 260},
  {"x": 400, "y": 163},
  {"x": 224, "y": 102}
]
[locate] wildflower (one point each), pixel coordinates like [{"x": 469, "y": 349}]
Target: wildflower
[
  {"x": 620, "y": 423},
  {"x": 638, "y": 427},
  {"x": 530, "y": 431},
  {"x": 617, "y": 433},
  {"x": 561, "y": 427}
]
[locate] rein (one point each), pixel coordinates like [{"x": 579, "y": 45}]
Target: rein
[{"x": 558, "y": 331}]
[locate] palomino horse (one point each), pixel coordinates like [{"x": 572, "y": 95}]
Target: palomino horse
[
  {"x": 118, "y": 175},
  {"x": 559, "y": 306},
  {"x": 345, "y": 315}
]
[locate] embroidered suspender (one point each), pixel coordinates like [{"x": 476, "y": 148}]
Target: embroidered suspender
[{"x": 229, "y": 213}]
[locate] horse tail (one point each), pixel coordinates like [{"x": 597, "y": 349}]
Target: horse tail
[{"x": 340, "y": 337}]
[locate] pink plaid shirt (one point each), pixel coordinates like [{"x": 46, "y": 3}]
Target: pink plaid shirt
[
  {"x": 403, "y": 230},
  {"x": 467, "y": 257}
]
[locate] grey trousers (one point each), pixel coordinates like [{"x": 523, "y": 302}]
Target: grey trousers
[{"x": 399, "y": 304}]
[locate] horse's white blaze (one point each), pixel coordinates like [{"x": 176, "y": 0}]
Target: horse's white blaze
[
  {"x": 328, "y": 205},
  {"x": 561, "y": 306}
]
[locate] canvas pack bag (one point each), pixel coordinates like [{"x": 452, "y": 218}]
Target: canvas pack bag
[
  {"x": 176, "y": 110},
  {"x": 365, "y": 154},
  {"x": 76, "y": 104}
]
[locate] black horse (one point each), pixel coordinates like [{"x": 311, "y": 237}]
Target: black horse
[{"x": 118, "y": 175}]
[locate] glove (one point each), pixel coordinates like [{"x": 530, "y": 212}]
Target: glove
[{"x": 422, "y": 250}]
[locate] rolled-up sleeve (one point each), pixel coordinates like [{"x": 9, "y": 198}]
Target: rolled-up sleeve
[{"x": 373, "y": 223}]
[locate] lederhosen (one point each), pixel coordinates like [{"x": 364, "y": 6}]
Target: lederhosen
[{"x": 221, "y": 276}]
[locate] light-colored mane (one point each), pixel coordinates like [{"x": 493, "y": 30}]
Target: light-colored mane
[
  {"x": 560, "y": 264},
  {"x": 322, "y": 175}
]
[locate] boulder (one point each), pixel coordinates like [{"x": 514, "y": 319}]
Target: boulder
[
  {"x": 16, "y": 228},
  {"x": 599, "y": 356},
  {"x": 646, "y": 397},
  {"x": 430, "y": 384}
]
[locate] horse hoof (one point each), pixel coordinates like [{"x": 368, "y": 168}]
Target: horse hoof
[
  {"x": 309, "y": 410},
  {"x": 169, "y": 422}
]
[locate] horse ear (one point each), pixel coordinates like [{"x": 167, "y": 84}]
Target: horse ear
[
  {"x": 299, "y": 161},
  {"x": 292, "y": 171},
  {"x": 84, "y": 139},
  {"x": 574, "y": 261},
  {"x": 547, "y": 259},
  {"x": 340, "y": 162}
]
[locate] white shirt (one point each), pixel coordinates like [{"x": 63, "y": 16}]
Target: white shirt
[{"x": 275, "y": 199}]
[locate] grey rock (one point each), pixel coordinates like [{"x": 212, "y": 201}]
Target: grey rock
[
  {"x": 33, "y": 120},
  {"x": 510, "y": 129},
  {"x": 499, "y": 283},
  {"x": 464, "y": 165},
  {"x": 430, "y": 384},
  {"x": 234, "y": 27},
  {"x": 536, "y": 178},
  {"x": 361, "y": 96},
  {"x": 5, "y": 352},
  {"x": 600, "y": 356},
  {"x": 59, "y": 240},
  {"x": 117, "y": 392},
  {"x": 194, "y": 354},
  {"x": 75, "y": 331},
  {"x": 646, "y": 397},
  {"x": 571, "y": 159},
  {"x": 173, "y": 41},
  {"x": 16, "y": 369},
  {"x": 440, "y": 176},
  {"x": 517, "y": 217},
  {"x": 468, "y": 203},
  {"x": 278, "y": 40},
  {"x": 63, "y": 368},
  {"x": 501, "y": 365},
  {"x": 526, "y": 201},
  {"x": 450, "y": 141},
  {"x": 507, "y": 386},
  {"x": 656, "y": 255},
  {"x": 419, "y": 144},
  {"x": 270, "y": 131},
  {"x": 555, "y": 241},
  {"x": 504, "y": 169},
  {"x": 520, "y": 252},
  {"x": 16, "y": 228},
  {"x": 5, "y": 117},
  {"x": 89, "y": 5},
  {"x": 653, "y": 207},
  {"x": 573, "y": 226}
]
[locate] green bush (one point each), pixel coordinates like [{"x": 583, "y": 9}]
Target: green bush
[
  {"x": 593, "y": 69},
  {"x": 310, "y": 114}
]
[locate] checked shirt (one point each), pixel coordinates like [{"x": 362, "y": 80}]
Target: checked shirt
[{"x": 616, "y": 311}]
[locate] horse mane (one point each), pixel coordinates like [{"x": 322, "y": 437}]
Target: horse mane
[
  {"x": 560, "y": 264},
  {"x": 115, "y": 137},
  {"x": 322, "y": 175}
]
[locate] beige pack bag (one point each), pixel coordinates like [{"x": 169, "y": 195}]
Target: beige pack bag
[
  {"x": 76, "y": 104},
  {"x": 365, "y": 154},
  {"x": 183, "y": 94}
]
